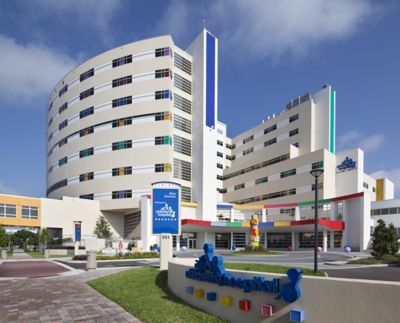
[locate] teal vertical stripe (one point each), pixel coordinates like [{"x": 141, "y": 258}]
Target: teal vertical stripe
[{"x": 332, "y": 109}]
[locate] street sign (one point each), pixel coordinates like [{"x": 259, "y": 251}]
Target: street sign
[{"x": 166, "y": 208}]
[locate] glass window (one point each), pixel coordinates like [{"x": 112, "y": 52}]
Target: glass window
[
  {"x": 87, "y": 93},
  {"x": 86, "y": 74},
  {"x": 293, "y": 132},
  {"x": 166, "y": 51},
  {"x": 294, "y": 118},
  {"x": 122, "y": 61},
  {"x": 250, "y": 138},
  {"x": 122, "y": 81},
  {"x": 166, "y": 94},
  {"x": 86, "y": 112},
  {"x": 122, "y": 101},
  {"x": 8, "y": 210},
  {"x": 269, "y": 129},
  {"x": 63, "y": 90}
]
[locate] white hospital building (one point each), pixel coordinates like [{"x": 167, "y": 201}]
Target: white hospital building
[{"x": 148, "y": 111}]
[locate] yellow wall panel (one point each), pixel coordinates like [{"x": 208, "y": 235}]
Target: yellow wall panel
[{"x": 20, "y": 201}]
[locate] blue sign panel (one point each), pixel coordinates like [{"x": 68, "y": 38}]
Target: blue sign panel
[
  {"x": 77, "y": 231},
  {"x": 210, "y": 268},
  {"x": 165, "y": 211}
]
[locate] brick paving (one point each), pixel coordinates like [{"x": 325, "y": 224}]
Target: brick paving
[
  {"x": 31, "y": 269},
  {"x": 59, "y": 299}
]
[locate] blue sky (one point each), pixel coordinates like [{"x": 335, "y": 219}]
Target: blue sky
[{"x": 270, "y": 52}]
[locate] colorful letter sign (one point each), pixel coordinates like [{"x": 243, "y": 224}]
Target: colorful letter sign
[
  {"x": 166, "y": 208},
  {"x": 210, "y": 268}
]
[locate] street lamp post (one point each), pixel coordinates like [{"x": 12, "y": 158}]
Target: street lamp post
[{"x": 316, "y": 173}]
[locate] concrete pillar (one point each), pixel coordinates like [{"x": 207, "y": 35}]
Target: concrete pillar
[
  {"x": 297, "y": 216},
  {"x": 46, "y": 253},
  {"x": 294, "y": 243},
  {"x": 263, "y": 215},
  {"x": 165, "y": 251},
  {"x": 332, "y": 240},
  {"x": 325, "y": 241},
  {"x": 265, "y": 240},
  {"x": 3, "y": 254},
  {"x": 178, "y": 243},
  {"x": 91, "y": 262},
  {"x": 147, "y": 238},
  {"x": 231, "y": 239}
]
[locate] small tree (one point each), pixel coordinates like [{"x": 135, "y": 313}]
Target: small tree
[
  {"x": 384, "y": 240},
  {"x": 4, "y": 239},
  {"x": 102, "y": 228},
  {"x": 44, "y": 237}
]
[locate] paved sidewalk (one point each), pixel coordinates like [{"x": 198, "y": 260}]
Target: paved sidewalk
[
  {"x": 19, "y": 254},
  {"x": 59, "y": 299}
]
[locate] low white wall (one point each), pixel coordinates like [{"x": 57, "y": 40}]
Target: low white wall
[{"x": 328, "y": 300}]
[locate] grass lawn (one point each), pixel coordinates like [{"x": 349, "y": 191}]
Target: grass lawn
[
  {"x": 130, "y": 256},
  {"x": 269, "y": 268},
  {"x": 144, "y": 293},
  {"x": 387, "y": 259},
  {"x": 37, "y": 254}
]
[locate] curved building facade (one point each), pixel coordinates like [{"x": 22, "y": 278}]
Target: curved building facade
[{"x": 121, "y": 121}]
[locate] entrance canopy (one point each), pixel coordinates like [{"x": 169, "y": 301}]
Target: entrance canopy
[{"x": 189, "y": 225}]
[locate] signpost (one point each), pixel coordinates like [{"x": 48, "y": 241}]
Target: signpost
[
  {"x": 166, "y": 222},
  {"x": 77, "y": 235}
]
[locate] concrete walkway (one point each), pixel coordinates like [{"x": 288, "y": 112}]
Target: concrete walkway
[
  {"x": 59, "y": 299},
  {"x": 19, "y": 254}
]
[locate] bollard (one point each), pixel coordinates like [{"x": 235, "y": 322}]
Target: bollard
[
  {"x": 46, "y": 253},
  {"x": 91, "y": 263},
  {"x": 3, "y": 254}
]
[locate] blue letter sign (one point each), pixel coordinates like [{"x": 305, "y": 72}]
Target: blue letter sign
[{"x": 165, "y": 210}]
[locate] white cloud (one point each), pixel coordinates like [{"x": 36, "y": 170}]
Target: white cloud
[
  {"x": 6, "y": 190},
  {"x": 354, "y": 138},
  {"x": 372, "y": 142},
  {"x": 392, "y": 174},
  {"x": 28, "y": 72},
  {"x": 270, "y": 28},
  {"x": 93, "y": 14}
]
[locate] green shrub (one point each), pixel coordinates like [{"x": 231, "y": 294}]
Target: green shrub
[{"x": 384, "y": 240}]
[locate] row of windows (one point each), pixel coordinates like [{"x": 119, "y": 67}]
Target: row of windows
[
  {"x": 182, "y": 145},
  {"x": 219, "y": 154},
  {"x": 258, "y": 166},
  {"x": 82, "y": 114},
  {"x": 165, "y": 94},
  {"x": 320, "y": 186},
  {"x": 386, "y": 211},
  {"x": 269, "y": 142},
  {"x": 248, "y": 151},
  {"x": 220, "y": 143},
  {"x": 119, "y": 145},
  {"x": 120, "y": 171},
  {"x": 182, "y": 169},
  {"x": 10, "y": 211},
  {"x": 182, "y": 124},
  {"x": 317, "y": 165},
  {"x": 115, "y": 83},
  {"x": 269, "y": 196},
  {"x": 274, "y": 127},
  {"x": 185, "y": 194},
  {"x": 115, "y": 63},
  {"x": 182, "y": 84},
  {"x": 239, "y": 186},
  {"x": 229, "y": 146},
  {"x": 182, "y": 104},
  {"x": 159, "y": 116},
  {"x": 183, "y": 64}
]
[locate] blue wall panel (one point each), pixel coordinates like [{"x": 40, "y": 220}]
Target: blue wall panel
[{"x": 210, "y": 79}]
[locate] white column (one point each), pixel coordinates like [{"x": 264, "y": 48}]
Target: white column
[
  {"x": 231, "y": 239},
  {"x": 332, "y": 240},
  {"x": 165, "y": 251},
  {"x": 297, "y": 216},
  {"x": 293, "y": 241},
  {"x": 232, "y": 215},
  {"x": 325, "y": 240},
  {"x": 263, "y": 215},
  {"x": 147, "y": 239},
  {"x": 178, "y": 243}
]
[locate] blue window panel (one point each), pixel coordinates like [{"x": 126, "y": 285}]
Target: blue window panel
[
  {"x": 211, "y": 296},
  {"x": 210, "y": 78}
]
